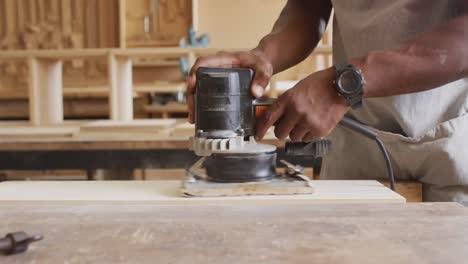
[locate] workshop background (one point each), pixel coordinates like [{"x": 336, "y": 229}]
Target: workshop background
[{"x": 94, "y": 89}]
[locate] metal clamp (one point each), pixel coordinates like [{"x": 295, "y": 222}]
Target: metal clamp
[{"x": 295, "y": 171}]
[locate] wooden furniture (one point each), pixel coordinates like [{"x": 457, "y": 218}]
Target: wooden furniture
[
  {"x": 154, "y": 23},
  {"x": 46, "y": 83},
  {"x": 240, "y": 233},
  {"x": 88, "y": 28}
]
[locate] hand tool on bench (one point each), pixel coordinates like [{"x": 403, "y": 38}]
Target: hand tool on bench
[{"x": 17, "y": 242}]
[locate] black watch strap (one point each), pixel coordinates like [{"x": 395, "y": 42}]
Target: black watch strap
[
  {"x": 339, "y": 67},
  {"x": 355, "y": 102}
]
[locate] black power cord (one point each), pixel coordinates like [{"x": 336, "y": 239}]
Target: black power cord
[
  {"x": 369, "y": 133},
  {"x": 321, "y": 147}
]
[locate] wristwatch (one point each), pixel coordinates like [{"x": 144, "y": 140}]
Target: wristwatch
[{"x": 349, "y": 83}]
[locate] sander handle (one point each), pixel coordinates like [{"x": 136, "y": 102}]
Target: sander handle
[{"x": 321, "y": 147}]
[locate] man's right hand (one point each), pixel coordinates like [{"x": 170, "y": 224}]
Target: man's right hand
[{"x": 254, "y": 59}]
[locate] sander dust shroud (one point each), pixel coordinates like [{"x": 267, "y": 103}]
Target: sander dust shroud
[{"x": 233, "y": 163}]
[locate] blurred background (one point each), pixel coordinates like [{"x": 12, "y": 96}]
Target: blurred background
[{"x": 173, "y": 32}]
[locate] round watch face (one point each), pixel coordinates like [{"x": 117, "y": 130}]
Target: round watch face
[{"x": 349, "y": 81}]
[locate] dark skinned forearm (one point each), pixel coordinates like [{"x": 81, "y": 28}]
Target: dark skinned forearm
[
  {"x": 296, "y": 33},
  {"x": 430, "y": 60},
  {"x": 313, "y": 108}
]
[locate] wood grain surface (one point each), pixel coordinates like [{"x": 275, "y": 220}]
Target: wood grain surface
[{"x": 248, "y": 233}]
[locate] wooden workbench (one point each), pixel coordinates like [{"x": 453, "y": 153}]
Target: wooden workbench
[
  {"x": 103, "y": 144},
  {"x": 241, "y": 233},
  {"x": 75, "y": 135}
]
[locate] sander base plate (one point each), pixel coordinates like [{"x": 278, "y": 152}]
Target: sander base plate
[{"x": 280, "y": 185}]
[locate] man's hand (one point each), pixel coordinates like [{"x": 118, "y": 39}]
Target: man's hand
[
  {"x": 254, "y": 59},
  {"x": 308, "y": 111},
  {"x": 293, "y": 37}
]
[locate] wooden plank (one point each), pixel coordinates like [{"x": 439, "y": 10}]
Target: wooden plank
[
  {"x": 2, "y": 22},
  {"x": 20, "y": 19},
  {"x": 86, "y": 108},
  {"x": 101, "y": 91},
  {"x": 53, "y": 54},
  {"x": 103, "y": 14},
  {"x": 113, "y": 23},
  {"x": 41, "y": 10},
  {"x": 10, "y": 28},
  {"x": 122, "y": 23},
  {"x": 91, "y": 24},
  {"x": 45, "y": 92},
  {"x": 79, "y": 106},
  {"x": 169, "y": 192},
  {"x": 28, "y": 132},
  {"x": 134, "y": 126},
  {"x": 121, "y": 88},
  {"x": 174, "y": 137},
  {"x": 103, "y": 128},
  {"x": 165, "y": 52},
  {"x": 9, "y": 39},
  {"x": 78, "y": 15},
  {"x": 411, "y": 190},
  {"x": 14, "y": 109},
  {"x": 52, "y": 91},
  {"x": 34, "y": 91},
  {"x": 195, "y": 18},
  {"x": 152, "y": 62},
  {"x": 161, "y": 87},
  {"x": 53, "y": 14},
  {"x": 326, "y": 233},
  {"x": 66, "y": 6},
  {"x": 122, "y": 125},
  {"x": 91, "y": 143}
]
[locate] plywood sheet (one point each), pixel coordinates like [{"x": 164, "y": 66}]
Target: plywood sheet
[{"x": 169, "y": 192}]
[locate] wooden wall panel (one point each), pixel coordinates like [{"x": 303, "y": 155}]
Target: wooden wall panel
[
  {"x": 152, "y": 23},
  {"x": 57, "y": 24}
]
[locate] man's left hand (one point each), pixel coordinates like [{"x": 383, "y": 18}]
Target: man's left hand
[{"x": 308, "y": 111}]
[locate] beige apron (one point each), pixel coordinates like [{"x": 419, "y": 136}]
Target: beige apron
[{"x": 425, "y": 133}]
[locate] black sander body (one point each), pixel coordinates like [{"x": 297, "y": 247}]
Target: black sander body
[
  {"x": 232, "y": 163},
  {"x": 225, "y": 127}
]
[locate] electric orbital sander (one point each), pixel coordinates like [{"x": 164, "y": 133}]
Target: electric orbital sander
[{"x": 232, "y": 162}]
